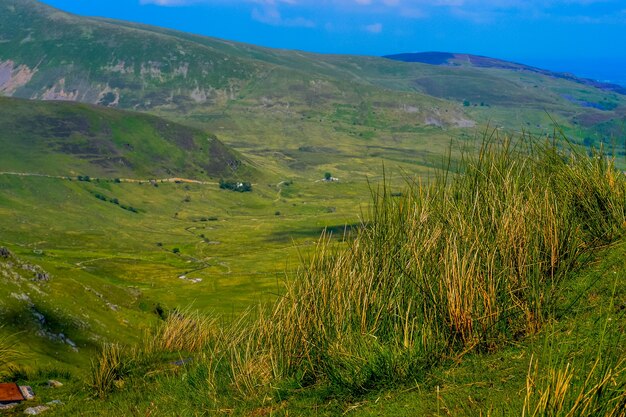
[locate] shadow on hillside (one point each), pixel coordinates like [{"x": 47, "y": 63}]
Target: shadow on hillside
[{"x": 336, "y": 232}]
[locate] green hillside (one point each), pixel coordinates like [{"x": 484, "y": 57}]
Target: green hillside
[
  {"x": 70, "y": 139},
  {"x": 271, "y": 103},
  {"x": 443, "y": 313},
  {"x": 109, "y": 216}
]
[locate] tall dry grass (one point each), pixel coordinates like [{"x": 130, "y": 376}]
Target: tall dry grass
[
  {"x": 557, "y": 393},
  {"x": 468, "y": 261},
  {"x": 184, "y": 331},
  {"x": 110, "y": 369}
]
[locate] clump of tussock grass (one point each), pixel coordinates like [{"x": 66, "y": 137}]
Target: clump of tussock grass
[
  {"x": 184, "y": 331},
  {"x": 181, "y": 332},
  {"x": 467, "y": 262},
  {"x": 557, "y": 392},
  {"x": 110, "y": 369}
]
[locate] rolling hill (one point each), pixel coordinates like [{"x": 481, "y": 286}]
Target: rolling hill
[{"x": 69, "y": 139}]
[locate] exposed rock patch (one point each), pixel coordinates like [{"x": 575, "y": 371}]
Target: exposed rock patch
[
  {"x": 183, "y": 70},
  {"x": 410, "y": 109},
  {"x": 432, "y": 121},
  {"x": 109, "y": 97},
  {"x": 120, "y": 67},
  {"x": 33, "y": 411},
  {"x": 58, "y": 92},
  {"x": 13, "y": 77},
  {"x": 199, "y": 95},
  {"x": 53, "y": 383},
  {"x": 151, "y": 69},
  {"x": 58, "y": 337}
]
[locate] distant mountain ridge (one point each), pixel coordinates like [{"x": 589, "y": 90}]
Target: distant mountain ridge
[{"x": 455, "y": 59}]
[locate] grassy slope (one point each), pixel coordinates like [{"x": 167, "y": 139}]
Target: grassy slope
[
  {"x": 102, "y": 255},
  {"x": 240, "y": 253},
  {"x": 69, "y": 139},
  {"x": 585, "y": 325}
]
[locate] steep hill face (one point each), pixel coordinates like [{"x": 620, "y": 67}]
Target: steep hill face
[
  {"x": 49, "y": 54},
  {"x": 59, "y": 138}
]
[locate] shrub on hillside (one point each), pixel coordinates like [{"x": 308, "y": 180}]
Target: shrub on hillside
[{"x": 235, "y": 186}]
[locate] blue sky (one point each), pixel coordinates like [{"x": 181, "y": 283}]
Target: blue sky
[{"x": 587, "y": 37}]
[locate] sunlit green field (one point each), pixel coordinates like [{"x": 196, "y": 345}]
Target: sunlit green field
[{"x": 188, "y": 245}]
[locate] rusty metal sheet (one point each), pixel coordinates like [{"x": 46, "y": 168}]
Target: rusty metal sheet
[{"x": 10, "y": 393}]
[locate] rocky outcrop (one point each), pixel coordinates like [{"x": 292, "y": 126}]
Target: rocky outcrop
[
  {"x": 13, "y": 76},
  {"x": 59, "y": 92}
]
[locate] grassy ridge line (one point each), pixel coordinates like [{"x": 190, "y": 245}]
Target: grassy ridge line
[
  {"x": 468, "y": 263},
  {"x": 215, "y": 83}
]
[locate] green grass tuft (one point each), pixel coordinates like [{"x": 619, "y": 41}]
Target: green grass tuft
[{"x": 110, "y": 368}]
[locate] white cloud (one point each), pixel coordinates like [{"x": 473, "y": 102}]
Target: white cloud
[
  {"x": 374, "y": 28},
  {"x": 268, "y": 12},
  {"x": 398, "y": 3},
  {"x": 275, "y": 12}
]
